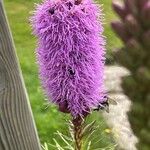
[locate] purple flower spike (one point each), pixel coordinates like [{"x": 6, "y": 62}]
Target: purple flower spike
[{"x": 70, "y": 54}]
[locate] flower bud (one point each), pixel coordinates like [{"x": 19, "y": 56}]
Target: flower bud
[
  {"x": 132, "y": 25},
  {"x": 119, "y": 9},
  {"x": 145, "y": 14},
  {"x": 120, "y": 30}
]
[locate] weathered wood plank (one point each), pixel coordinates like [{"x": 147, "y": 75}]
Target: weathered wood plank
[{"x": 17, "y": 128}]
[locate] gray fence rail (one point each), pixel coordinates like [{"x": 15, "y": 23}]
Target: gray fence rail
[{"x": 17, "y": 127}]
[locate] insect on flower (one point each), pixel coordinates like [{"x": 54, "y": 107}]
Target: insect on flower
[{"x": 105, "y": 104}]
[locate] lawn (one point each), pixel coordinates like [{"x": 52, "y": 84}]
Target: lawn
[{"x": 48, "y": 119}]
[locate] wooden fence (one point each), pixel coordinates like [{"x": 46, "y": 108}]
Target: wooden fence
[{"x": 17, "y": 127}]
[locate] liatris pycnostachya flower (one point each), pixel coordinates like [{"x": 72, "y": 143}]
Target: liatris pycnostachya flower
[
  {"x": 70, "y": 55},
  {"x": 134, "y": 30}
]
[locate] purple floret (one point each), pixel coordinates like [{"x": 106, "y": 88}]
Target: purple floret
[{"x": 70, "y": 54}]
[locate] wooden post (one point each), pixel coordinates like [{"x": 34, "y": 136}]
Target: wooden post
[{"x": 17, "y": 128}]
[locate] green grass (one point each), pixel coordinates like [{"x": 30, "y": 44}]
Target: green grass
[{"x": 48, "y": 120}]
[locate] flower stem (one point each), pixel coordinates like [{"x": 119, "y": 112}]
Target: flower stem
[{"x": 78, "y": 127}]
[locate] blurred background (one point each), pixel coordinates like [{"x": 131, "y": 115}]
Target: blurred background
[{"x": 48, "y": 119}]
